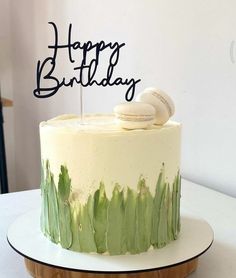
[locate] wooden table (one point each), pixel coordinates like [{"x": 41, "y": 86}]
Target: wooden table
[
  {"x": 38, "y": 270},
  {"x": 217, "y": 208},
  {"x": 6, "y": 102}
]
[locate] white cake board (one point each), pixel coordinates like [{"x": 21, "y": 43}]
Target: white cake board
[{"x": 25, "y": 237}]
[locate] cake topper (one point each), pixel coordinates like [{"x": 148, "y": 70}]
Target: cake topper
[{"x": 87, "y": 67}]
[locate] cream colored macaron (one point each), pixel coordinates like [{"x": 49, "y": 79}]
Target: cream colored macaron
[
  {"x": 134, "y": 115},
  {"x": 162, "y": 103}
]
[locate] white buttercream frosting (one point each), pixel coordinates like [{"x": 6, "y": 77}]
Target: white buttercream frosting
[{"x": 98, "y": 150}]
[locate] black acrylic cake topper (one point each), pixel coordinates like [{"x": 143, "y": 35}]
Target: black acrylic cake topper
[{"x": 85, "y": 72}]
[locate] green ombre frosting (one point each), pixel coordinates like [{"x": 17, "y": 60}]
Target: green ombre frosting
[{"x": 131, "y": 221}]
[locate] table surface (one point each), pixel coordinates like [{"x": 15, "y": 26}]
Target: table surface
[{"x": 216, "y": 208}]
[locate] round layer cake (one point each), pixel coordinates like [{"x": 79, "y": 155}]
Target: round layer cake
[{"x": 109, "y": 190}]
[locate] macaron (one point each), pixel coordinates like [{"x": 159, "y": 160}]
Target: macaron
[
  {"x": 134, "y": 115},
  {"x": 162, "y": 103}
]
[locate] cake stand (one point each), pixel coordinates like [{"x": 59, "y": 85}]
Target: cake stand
[{"x": 44, "y": 259}]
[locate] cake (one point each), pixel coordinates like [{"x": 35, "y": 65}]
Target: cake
[{"x": 109, "y": 190}]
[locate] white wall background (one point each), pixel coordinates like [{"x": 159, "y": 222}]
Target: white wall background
[
  {"x": 184, "y": 47},
  {"x": 7, "y": 88}
]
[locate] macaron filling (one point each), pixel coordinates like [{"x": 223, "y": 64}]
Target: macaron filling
[{"x": 134, "y": 118}]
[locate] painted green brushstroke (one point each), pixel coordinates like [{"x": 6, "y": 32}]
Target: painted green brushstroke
[
  {"x": 130, "y": 220},
  {"x": 160, "y": 188},
  {"x": 64, "y": 188},
  {"x": 169, "y": 214},
  {"x": 162, "y": 233},
  {"x": 122, "y": 224},
  {"x": 176, "y": 206},
  {"x": 52, "y": 207},
  {"x": 44, "y": 221},
  {"x": 115, "y": 227},
  {"x": 100, "y": 218},
  {"x": 144, "y": 210},
  {"x": 64, "y": 184},
  {"x": 75, "y": 246},
  {"x": 178, "y": 202},
  {"x": 65, "y": 224},
  {"x": 86, "y": 231}
]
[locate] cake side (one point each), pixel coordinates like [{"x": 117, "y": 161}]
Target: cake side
[
  {"x": 105, "y": 189},
  {"x": 99, "y": 151}
]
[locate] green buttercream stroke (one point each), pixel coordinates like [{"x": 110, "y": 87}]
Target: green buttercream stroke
[
  {"x": 100, "y": 218},
  {"x": 86, "y": 231},
  {"x": 178, "y": 202},
  {"x": 64, "y": 188},
  {"x": 64, "y": 184},
  {"x": 169, "y": 213},
  {"x": 162, "y": 233},
  {"x": 131, "y": 221},
  {"x": 52, "y": 208},
  {"x": 160, "y": 187},
  {"x": 75, "y": 246},
  {"x": 144, "y": 210},
  {"x": 44, "y": 223},
  {"x": 115, "y": 228},
  {"x": 176, "y": 206}
]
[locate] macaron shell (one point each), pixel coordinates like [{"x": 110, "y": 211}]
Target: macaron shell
[
  {"x": 162, "y": 103},
  {"x": 162, "y": 115},
  {"x": 134, "y": 125},
  {"x": 165, "y": 96},
  {"x": 134, "y": 108},
  {"x": 134, "y": 115}
]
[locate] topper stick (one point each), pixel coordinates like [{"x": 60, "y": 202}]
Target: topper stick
[{"x": 81, "y": 104}]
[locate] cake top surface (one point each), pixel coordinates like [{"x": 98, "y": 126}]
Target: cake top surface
[{"x": 98, "y": 123}]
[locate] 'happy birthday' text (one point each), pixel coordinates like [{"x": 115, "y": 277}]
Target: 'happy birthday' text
[{"x": 85, "y": 71}]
